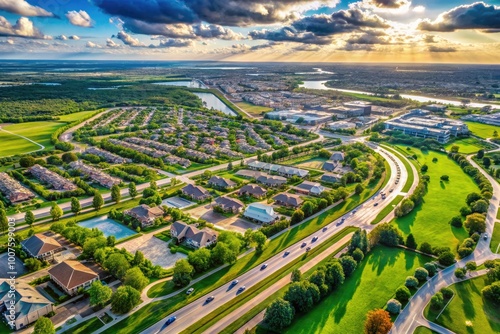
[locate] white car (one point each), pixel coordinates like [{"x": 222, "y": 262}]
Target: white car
[{"x": 189, "y": 291}]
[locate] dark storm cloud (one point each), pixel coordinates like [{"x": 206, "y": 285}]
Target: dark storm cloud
[
  {"x": 474, "y": 16},
  {"x": 434, "y": 48},
  {"x": 224, "y": 12},
  {"x": 370, "y": 37}
]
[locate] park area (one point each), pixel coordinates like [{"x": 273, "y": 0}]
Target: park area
[
  {"x": 466, "y": 145},
  {"x": 481, "y": 130},
  {"x": 428, "y": 222},
  {"x": 468, "y": 311},
  {"x": 371, "y": 286}
]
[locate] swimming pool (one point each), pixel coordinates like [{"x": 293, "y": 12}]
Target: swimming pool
[{"x": 108, "y": 227}]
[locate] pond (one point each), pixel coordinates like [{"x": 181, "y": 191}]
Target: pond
[
  {"x": 108, "y": 227},
  {"x": 212, "y": 101},
  {"x": 190, "y": 84}
]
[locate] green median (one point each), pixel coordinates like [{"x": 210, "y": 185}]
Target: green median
[{"x": 391, "y": 206}]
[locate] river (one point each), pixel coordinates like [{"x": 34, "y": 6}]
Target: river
[
  {"x": 419, "y": 98},
  {"x": 212, "y": 101}
]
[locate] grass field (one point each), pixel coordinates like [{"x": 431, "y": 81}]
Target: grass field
[
  {"x": 466, "y": 145},
  {"x": 253, "y": 109},
  {"x": 12, "y": 145},
  {"x": 371, "y": 286},
  {"x": 75, "y": 116},
  {"x": 428, "y": 222},
  {"x": 481, "y": 130},
  {"x": 423, "y": 330},
  {"x": 314, "y": 163},
  {"x": 88, "y": 326},
  {"x": 468, "y": 305},
  {"x": 495, "y": 239}
]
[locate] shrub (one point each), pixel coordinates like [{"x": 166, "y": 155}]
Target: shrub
[
  {"x": 460, "y": 273},
  {"x": 425, "y": 247},
  {"x": 456, "y": 221},
  {"x": 411, "y": 282},
  {"x": 445, "y": 178},
  {"x": 421, "y": 274},
  {"x": 431, "y": 268},
  {"x": 437, "y": 301},
  {"x": 492, "y": 292},
  {"x": 358, "y": 255},
  {"x": 393, "y": 306},
  {"x": 447, "y": 293},
  {"x": 446, "y": 258},
  {"x": 403, "y": 294}
]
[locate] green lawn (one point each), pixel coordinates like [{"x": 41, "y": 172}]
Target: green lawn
[
  {"x": 371, "y": 286},
  {"x": 4, "y": 329},
  {"x": 468, "y": 305},
  {"x": 495, "y": 239},
  {"x": 12, "y": 145},
  {"x": 69, "y": 118},
  {"x": 39, "y": 132},
  {"x": 423, "y": 330},
  {"x": 253, "y": 109},
  {"x": 388, "y": 209},
  {"x": 481, "y": 130},
  {"x": 88, "y": 326},
  {"x": 466, "y": 145},
  {"x": 428, "y": 221}
]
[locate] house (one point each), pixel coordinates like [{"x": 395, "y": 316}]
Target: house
[
  {"x": 228, "y": 204},
  {"x": 40, "y": 246},
  {"x": 21, "y": 304},
  {"x": 310, "y": 188},
  {"x": 55, "y": 180},
  {"x": 196, "y": 193},
  {"x": 329, "y": 166},
  {"x": 292, "y": 171},
  {"x": 330, "y": 178},
  {"x": 250, "y": 174},
  {"x": 192, "y": 235},
  {"x": 252, "y": 190},
  {"x": 70, "y": 275},
  {"x": 337, "y": 156},
  {"x": 271, "y": 180},
  {"x": 287, "y": 199},
  {"x": 221, "y": 183},
  {"x": 260, "y": 213},
  {"x": 13, "y": 190},
  {"x": 95, "y": 174},
  {"x": 145, "y": 214}
]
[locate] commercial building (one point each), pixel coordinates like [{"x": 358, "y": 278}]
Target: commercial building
[
  {"x": 341, "y": 125},
  {"x": 300, "y": 116},
  {"x": 492, "y": 119},
  {"x": 13, "y": 190}
]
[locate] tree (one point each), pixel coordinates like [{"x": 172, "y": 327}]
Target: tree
[
  {"x": 222, "y": 254},
  {"x": 480, "y": 206},
  {"x": 446, "y": 258},
  {"x": 403, "y": 294},
  {"x": 32, "y": 264},
  {"x": 424, "y": 168},
  {"x": 27, "y": 161},
  {"x": 358, "y": 255},
  {"x": 437, "y": 301},
  {"x": 297, "y": 216},
  {"x": 75, "y": 205},
  {"x": 348, "y": 265},
  {"x": 322, "y": 204},
  {"x": 296, "y": 275},
  {"x": 29, "y": 217},
  {"x": 199, "y": 259},
  {"x": 445, "y": 178},
  {"x": 92, "y": 244},
  {"x": 425, "y": 247},
  {"x": 411, "y": 282},
  {"x": 230, "y": 166},
  {"x": 260, "y": 240},
  {"x": 183, "y": 272},
  {"x": 279, "y": 314},
  {"x": 471, "y": 266},
  {"x": 359, "y": 189},
  {"x": 472, "y": 197},
  {"x": 69, "y": 157},
  {"x": 138, "y": 258},
  {"x": 460, "y": 273},
  {"x": 99, "y": 294},
  {"x": 318, "y": 278},
  {"x": 486, "y": 162},
  {"x": 308, "y": 208},
  {"x": 153, "y": 185},
  {"x": 421, "y": 274},
  {"x": 98, "y": 201},
  {"x": 455, "y": 148},
  {"x": 410, "y": 241},
  {"x": 492, "y": 292},
  {"x": 124, "y": 299},
  {"x": 378, "y": 322},
  {"x": 132, "y": 190},
  {"x": 475, "y": 223},
  {"x": 334, "y": 274},
  {"x": 116, "y": 196},
  {"x": 136, "y": 279},
  {"x": 302, "y": 295},
  {"x": 110, "y": 241},
  {"x": 431, "y": 268},
  {"x": 117, "y": 265},
  {"x": 44, "y": 326},
  {"x": 447, "y": 292},
  {"x": 456, "y": 221},
  {"x": 56, "y": 212},
  {"x": 393, "y": 306},
  {"x": 480, "y": 154},
  {"x": 386, "y": 234}
]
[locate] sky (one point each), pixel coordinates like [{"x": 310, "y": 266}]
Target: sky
[{"x": 444, "y": 31}]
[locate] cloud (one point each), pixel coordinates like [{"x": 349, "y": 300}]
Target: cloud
[
  {"x": 172, "y": 43},
  {"x": 370, "y": 37},
  {"x": 388, "y": 3},
  {"x": 74, "y": 37},
  {"x": 357, "y": 47},
  {"x": 434, "y": 48},
  {"x": 181, "y": 30},
  {"x": 318, "y": 29},
  {"x": 223, "y": 12},
  {"x": 64, "y": 37},
  {"x": 111, "y": 44},
  {"x": 418, "y": 9},
  {"x": 23, "y": 28},
  {"x": 430, "y": 39},
  {"x": 129, "y": 40},
  {"x": 92, "y": 45},
  {"x": 307, "y": 47},
  {"x": 21, "y": 7},
  {"x": 474, "y": 16},
  {"x": 80, "y": 19}
]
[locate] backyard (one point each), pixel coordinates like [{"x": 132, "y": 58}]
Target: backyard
[
  {"x": 468, "y": 311},
  {"x": 371, "y": 286},
  {"x": 427, "y": 221}
]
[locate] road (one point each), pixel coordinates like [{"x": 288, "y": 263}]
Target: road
[
  {"x": 365, "y": 213},
  {"x": 412, "y": 315}
]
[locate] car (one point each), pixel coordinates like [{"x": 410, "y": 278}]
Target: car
[
  {"x": 325, "y": 228},
  {"x": 354, "y": 211},
  {"x": 170, "y": 320},
  {"x": 314, "y": 238},
  {"x": 286, "y": 253},
  {"x": 209, "y": 299},
  {"x": 485, "y": 236},
  {"x": 303, "y": 245},
  {"x": 234, "y": 282},
  {"x": 264, "y": 266},
  {"x": 189, "y": 291},
  {"x": 308, "y": 249},
  {"x": 241, "y": 288},
  {"x": 375, "y": 204}
]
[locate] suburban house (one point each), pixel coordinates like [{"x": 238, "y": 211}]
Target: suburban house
[
  {"x": 40, "y": 246},
  {"x": 260, "y": 213},
  {"x": 145, "y": 214},
  {"x": 228, "y": 204},
  {"x": 330, "y": 178},
  {"x": 13, "y": 190},
  {"x": 337, "y": 156},
  {"x": 221, "y": 183},
  {"x": 329, "y": 166},
  {"x": 49, "y": 177},
  {"x": 95, "y": 174},
  {"x": 192, "y": 235},
  {"x": 292, "y": 171},
  {"x": 29, "y": 304},
  {"x": 196, "y": 193},
  {"x": 70, "y": 275},
  {"x": 287, "y": 199},
  {"x": 271, "y": 180},
  {"x": 310, "y": 188},
  {"x": 282, "y": 170},
  {"x": 252, "y": 190}
]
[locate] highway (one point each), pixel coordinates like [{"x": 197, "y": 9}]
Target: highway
[{"x": 365, "y": 213}]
